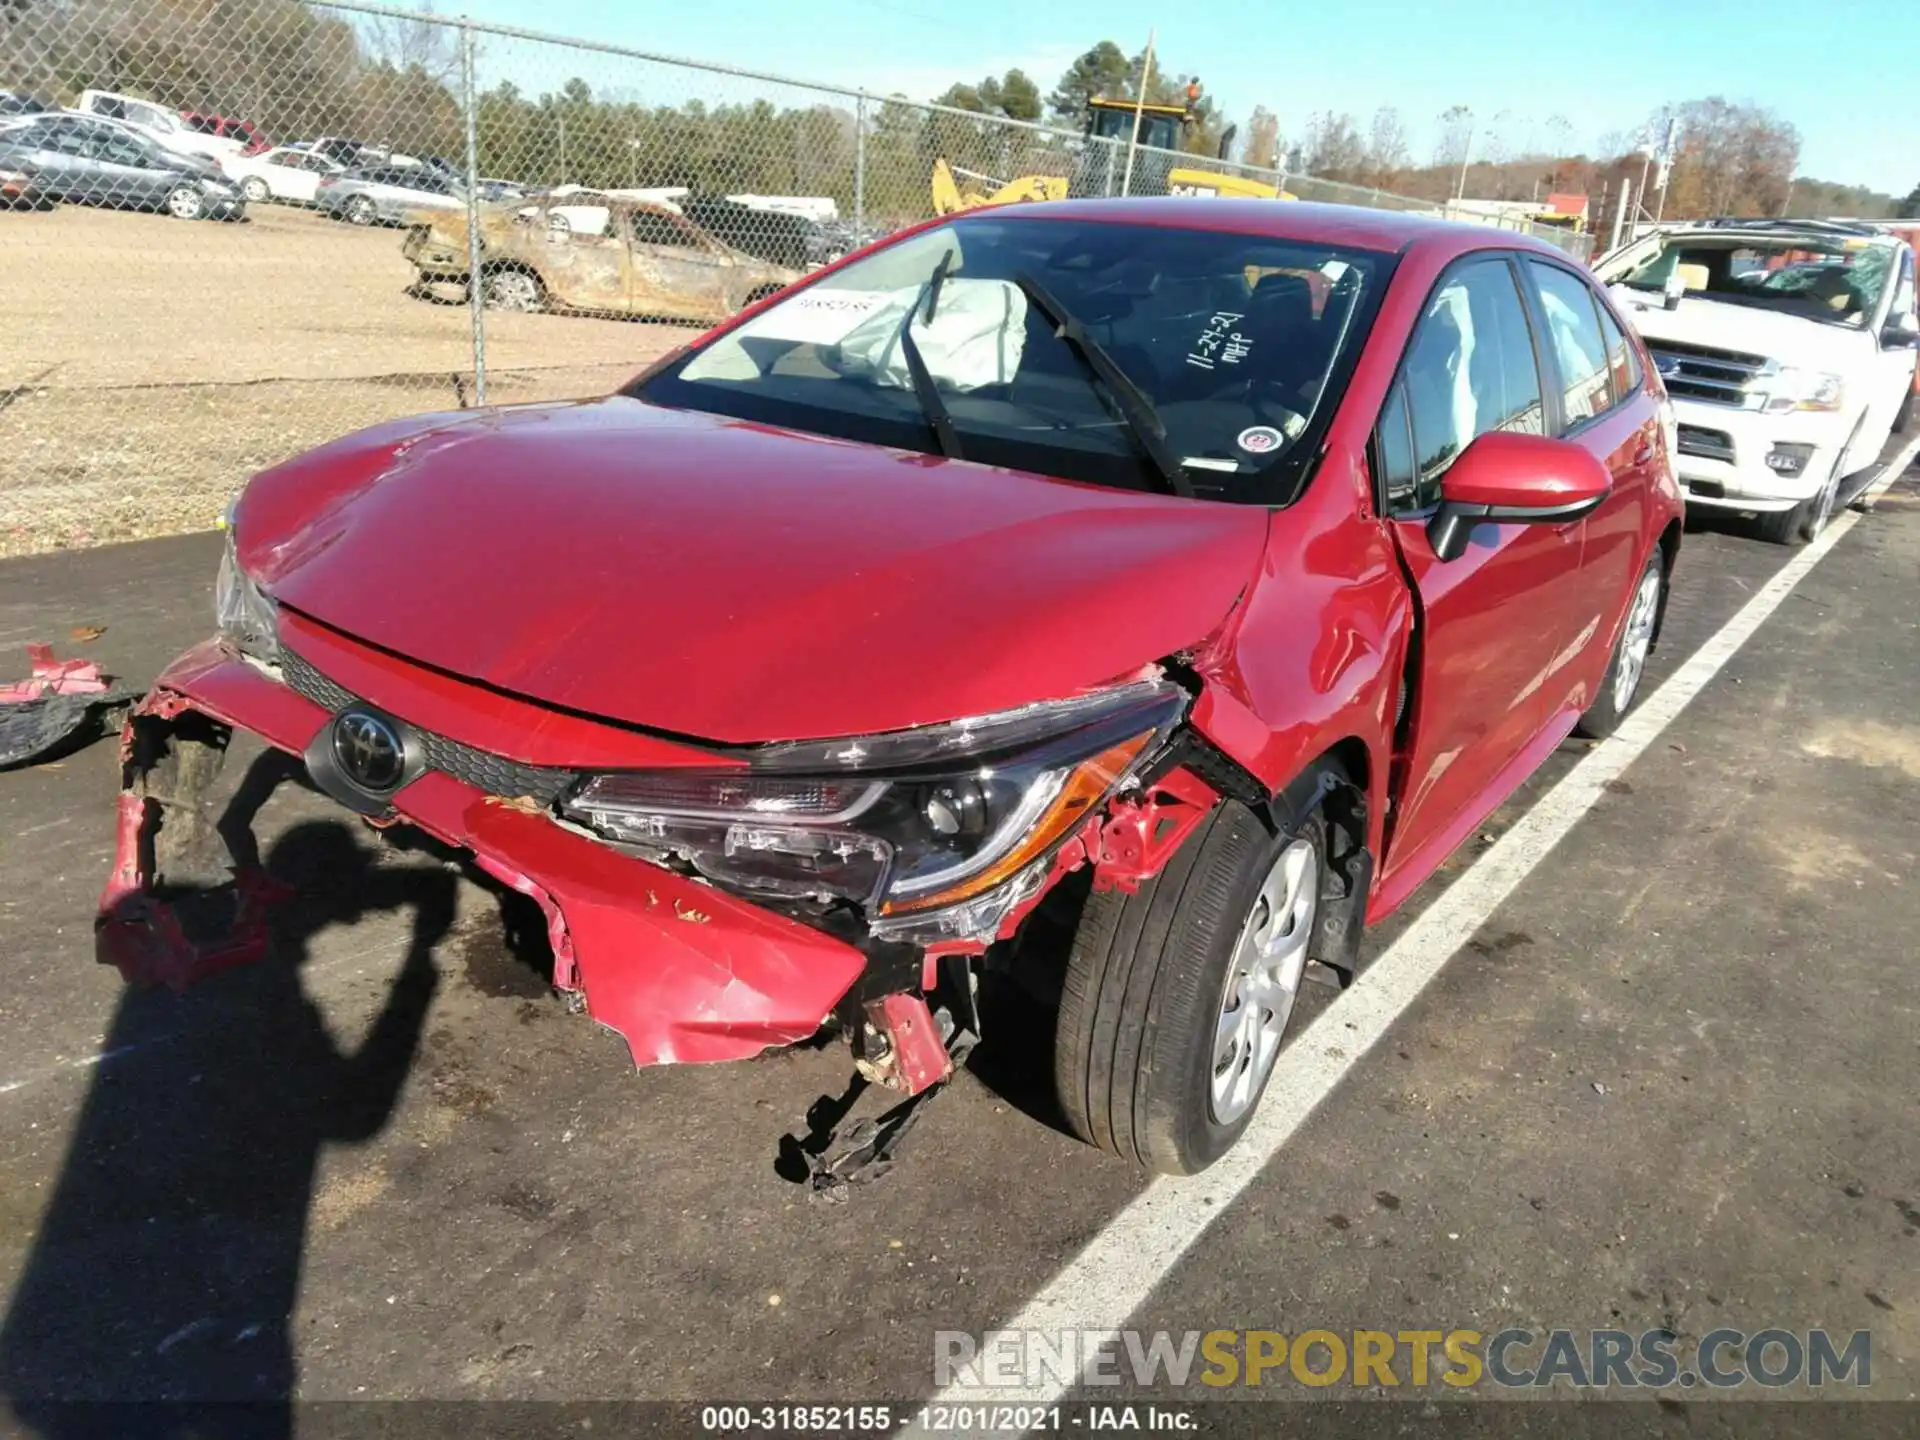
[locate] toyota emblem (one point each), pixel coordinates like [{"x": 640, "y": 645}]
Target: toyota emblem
[{"x": 368, "y": 751}]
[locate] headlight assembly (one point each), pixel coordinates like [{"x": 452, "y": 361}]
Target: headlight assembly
[
  {"x": 241, "y": 609},
  {"x": 933, "y": 830},
  {"x": 1791, "y": 388}
]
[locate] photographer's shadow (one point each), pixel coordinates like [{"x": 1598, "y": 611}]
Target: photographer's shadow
[{"x": 168, "y": 1263}]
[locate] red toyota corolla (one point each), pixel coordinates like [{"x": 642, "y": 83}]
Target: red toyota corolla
[{"x": 1136, "y": 596}]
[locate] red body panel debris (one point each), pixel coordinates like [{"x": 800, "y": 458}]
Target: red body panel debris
[
  {"x": 914, "y": 1055},
  {"x": 54, "y": 677}
]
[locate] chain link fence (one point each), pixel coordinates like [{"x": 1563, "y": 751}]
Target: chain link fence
[{"x": 272, "y": 214}]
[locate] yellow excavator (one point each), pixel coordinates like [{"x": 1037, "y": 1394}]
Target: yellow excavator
[{"x": 1101, "y": 169}]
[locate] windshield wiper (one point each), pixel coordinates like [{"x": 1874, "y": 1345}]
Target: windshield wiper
[
  {"x": 1148, "y": 430},
  {"x": 924, "y": 390}
]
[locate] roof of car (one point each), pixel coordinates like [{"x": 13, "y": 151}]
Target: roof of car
[{"x": 1349, "y": 225}]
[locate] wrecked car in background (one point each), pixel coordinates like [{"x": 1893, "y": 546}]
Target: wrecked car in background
[
  {"x": 597, "y": 254},
  {"x": 1078, "y": 594}
]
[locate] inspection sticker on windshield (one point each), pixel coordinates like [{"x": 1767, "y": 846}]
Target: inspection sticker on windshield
[
  {"x": 1218, "y": 340},
  {"x": 1261, "y": 439}
]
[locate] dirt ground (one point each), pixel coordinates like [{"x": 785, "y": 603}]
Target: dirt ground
[{"x": 148, "y": 365}]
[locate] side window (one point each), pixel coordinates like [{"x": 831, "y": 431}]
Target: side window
[
  {"x": 1469, "y": 370},
  {"x": 652, "y": 228},
  {"x": 1574, "y": 328},
  {"x": 1621, "y": 364}
]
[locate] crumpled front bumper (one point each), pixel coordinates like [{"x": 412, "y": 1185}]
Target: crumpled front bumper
[{"x": 684, "y": 972}]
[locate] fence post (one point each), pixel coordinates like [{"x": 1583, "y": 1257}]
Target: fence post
[
  {"x": 859, "y": 169},
  {"x": 476, "y": 291}
]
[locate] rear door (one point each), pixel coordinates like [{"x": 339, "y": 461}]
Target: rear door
[
  {"x": 676, "y": 270},
  {"x": 1604, "y": 407},
  {"x": 1496, "y": 623}
]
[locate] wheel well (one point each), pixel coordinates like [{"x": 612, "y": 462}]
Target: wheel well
[{"x": 1669, "y": 553}]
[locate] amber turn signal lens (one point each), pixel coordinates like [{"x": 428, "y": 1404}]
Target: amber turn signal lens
[{"x": 1090, "y": 783}]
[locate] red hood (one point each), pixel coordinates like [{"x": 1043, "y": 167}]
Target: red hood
[{"x": 734, "y": 582}]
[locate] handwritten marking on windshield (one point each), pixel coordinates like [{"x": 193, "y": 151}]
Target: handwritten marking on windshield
[{"x": 1217, "y": 333}]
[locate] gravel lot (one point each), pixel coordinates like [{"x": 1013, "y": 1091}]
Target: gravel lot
[{"x": 148, "y": 366}]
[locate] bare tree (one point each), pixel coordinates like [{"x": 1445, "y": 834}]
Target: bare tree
[
  {"x": 1263, "y": 138},
  {"x": 1334, "y": 149},
  {"x": 1456, "y": 136},
  {"x": 1386, "y": 144},
  {"x": 426, "y": 46}
]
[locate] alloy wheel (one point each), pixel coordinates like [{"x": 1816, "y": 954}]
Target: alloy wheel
[
  {"x": 1263, "y": 980},
  {"x": 1636, "y": 641}
]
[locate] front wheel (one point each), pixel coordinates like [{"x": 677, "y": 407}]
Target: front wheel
[
  {"x": 184, "y": 202},
  {"x": 1177, "y": 997},
  {"x": 360, "y": 211},
  {"x": 1620, "y": 686},
  {"x": 514, "y": 290},
  {"x": 255, "y": 189}
]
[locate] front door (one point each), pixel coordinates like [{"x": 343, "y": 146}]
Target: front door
[{"x": 1498, "y": 623}]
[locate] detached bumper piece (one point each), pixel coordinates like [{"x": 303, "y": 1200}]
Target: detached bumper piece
[
  {"x": 57, "y": 698},
  {"x": 684, "y": 972}
]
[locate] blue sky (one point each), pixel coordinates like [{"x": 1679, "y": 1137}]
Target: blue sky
[{"x": 1845, "y": 72}]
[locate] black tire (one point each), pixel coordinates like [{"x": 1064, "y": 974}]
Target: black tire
[
  {"x": 184, "y": 202},
  {"x": 361, "y": 211},
  {"x": 1145, "y": 989},
  {"x": 256, "y": 189},
  {"x": 1638, "y": 626}
]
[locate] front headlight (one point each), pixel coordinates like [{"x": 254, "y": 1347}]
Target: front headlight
[
  {"x": 245, "y": 615},
  {"x": 1791, "y": 388},
  {"x": 912, "y": 824}
]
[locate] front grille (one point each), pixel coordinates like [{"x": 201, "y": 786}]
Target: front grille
[
  {"x": 1707, "y": 444},
  {"x": 493, "y": 774},
  {"x": 1700, "y": 372}
]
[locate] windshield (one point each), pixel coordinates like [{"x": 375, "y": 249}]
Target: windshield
[
  {"x": 1160, "y": 132},
  {"x": 1838, "y": 280},
  {"x": 1240, "y": 344}
]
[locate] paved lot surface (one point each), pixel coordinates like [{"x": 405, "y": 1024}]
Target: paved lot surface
[
  {"x": 1668, "y": 1083},
  {"x": 152, "y": 364}
]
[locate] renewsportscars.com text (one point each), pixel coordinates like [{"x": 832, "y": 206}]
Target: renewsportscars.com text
[{"x": 1002, "y": 1360}]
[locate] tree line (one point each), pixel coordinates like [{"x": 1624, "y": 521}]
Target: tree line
[{"x": 299, "y": 72}]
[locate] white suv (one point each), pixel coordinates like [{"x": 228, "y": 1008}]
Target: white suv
[
  {"x": 157, "y": 123},
  {"x": 1788, "y": 348}
]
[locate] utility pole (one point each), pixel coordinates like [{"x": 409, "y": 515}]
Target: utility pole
[
  {"x": 1466, "y": 154},
  {"x": 1139, "y": 109}
]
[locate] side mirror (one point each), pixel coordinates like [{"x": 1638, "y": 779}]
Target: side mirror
[
  {"x": 1507, "y": 478},
  {"x": 1901, "y": 333}
]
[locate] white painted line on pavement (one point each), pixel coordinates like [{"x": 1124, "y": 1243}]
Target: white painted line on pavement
[{"x": 1120, "y": 1267}]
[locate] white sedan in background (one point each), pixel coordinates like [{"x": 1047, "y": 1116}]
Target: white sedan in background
[{"x": 283, "y": 173}]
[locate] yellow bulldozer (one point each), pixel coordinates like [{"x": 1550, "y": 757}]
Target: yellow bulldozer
[{"x": 1100, "y": 168}]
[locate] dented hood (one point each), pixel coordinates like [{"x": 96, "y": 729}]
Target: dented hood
[{"x": 729, "y": 581}]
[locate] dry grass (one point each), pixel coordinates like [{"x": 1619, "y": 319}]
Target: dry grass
[{"x": 149, "y": 365}]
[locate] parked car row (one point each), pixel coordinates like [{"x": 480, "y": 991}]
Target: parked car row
[{"x": 87, "y": 160}]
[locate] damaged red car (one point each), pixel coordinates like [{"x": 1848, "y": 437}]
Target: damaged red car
[{"x": 1148, "y": 594}]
